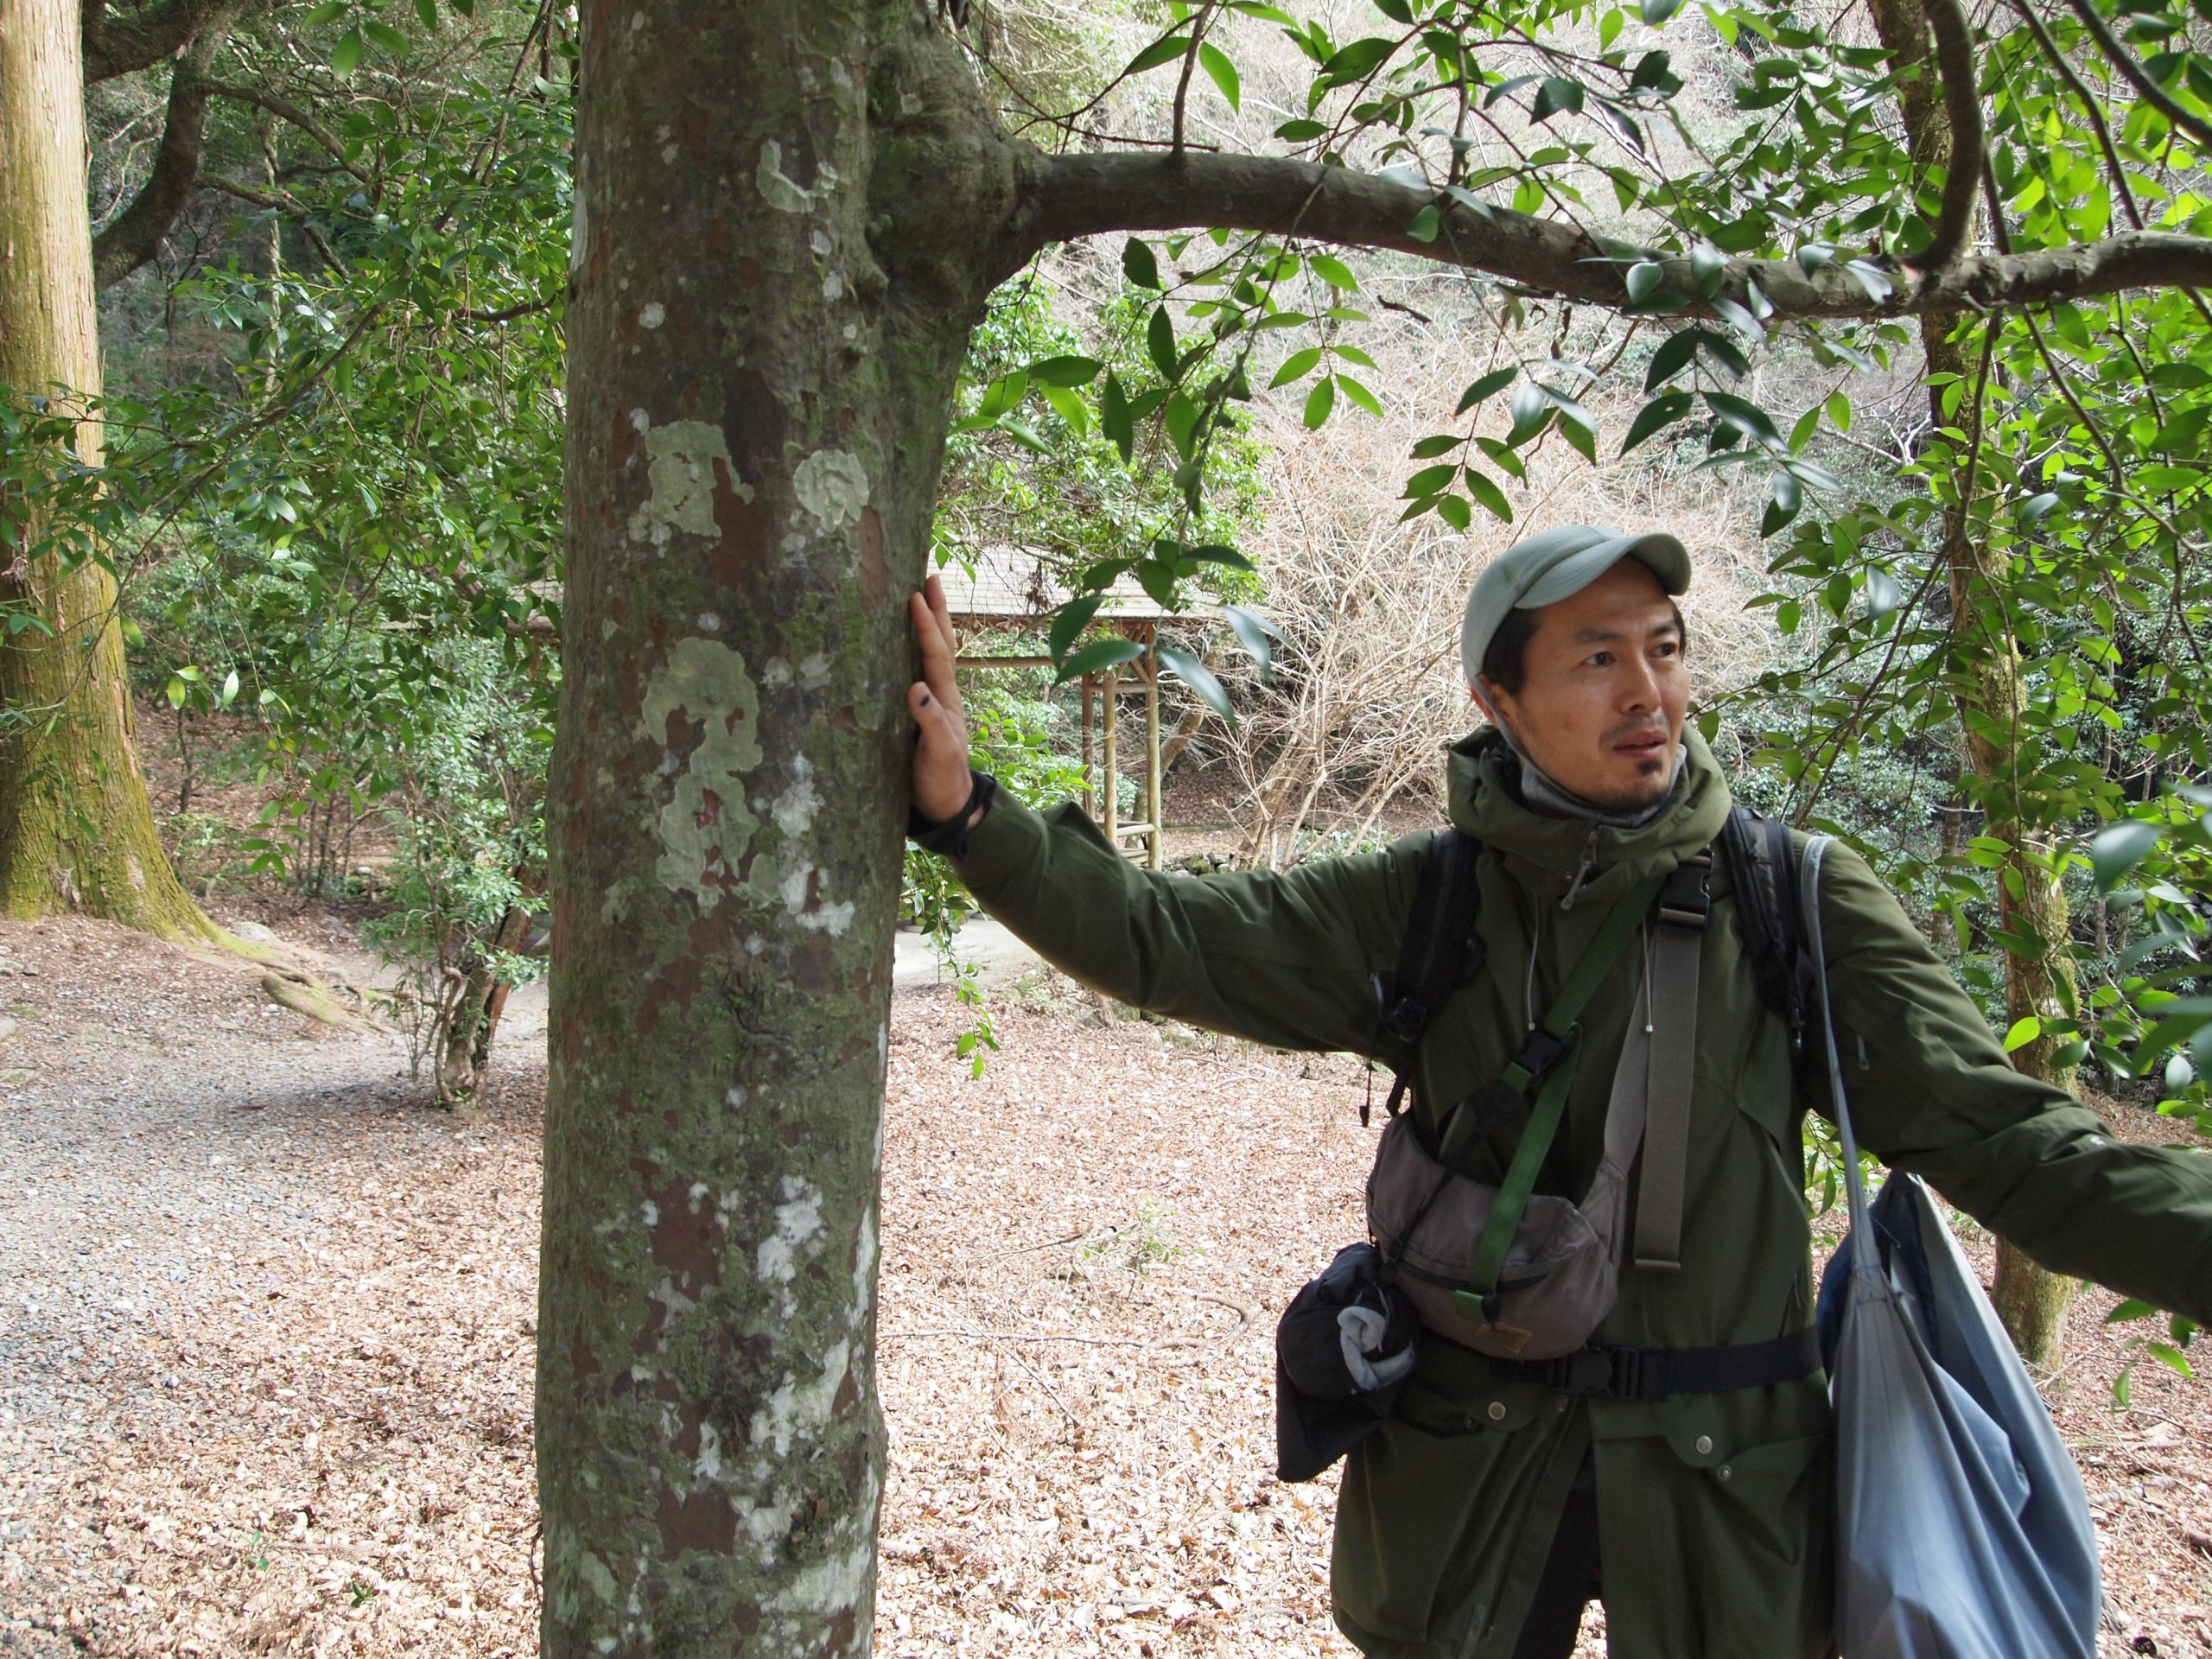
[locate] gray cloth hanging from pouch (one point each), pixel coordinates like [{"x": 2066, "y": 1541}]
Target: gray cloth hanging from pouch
[{"x": 1962, "y": 1528}]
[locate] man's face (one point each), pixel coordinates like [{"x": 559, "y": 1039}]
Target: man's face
[{"x": 1601, "y": 702}]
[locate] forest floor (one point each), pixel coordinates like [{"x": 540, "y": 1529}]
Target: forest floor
[{"x": 266, "y": 1331}]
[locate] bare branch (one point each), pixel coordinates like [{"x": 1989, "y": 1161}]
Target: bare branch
[
  {"x": 2124, "y": 61},
  {"x": 1066, "y": 197},
  {"x": 134, "y": 236},
  {"x": 1957, "y": 67},
  {"x": 276, "y": 200}
]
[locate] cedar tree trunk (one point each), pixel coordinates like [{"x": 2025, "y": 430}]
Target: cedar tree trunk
[{"x": 76, "y": 830}]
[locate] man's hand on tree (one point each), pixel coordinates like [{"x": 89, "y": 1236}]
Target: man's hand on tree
[{"x": 941, "y": 779}]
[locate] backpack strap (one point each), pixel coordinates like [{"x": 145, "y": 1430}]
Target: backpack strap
[
  {"x": 1762, "y": 863},
  {"x": 1670, "y": 1019},
  {"x": 1439, "y": 952}
]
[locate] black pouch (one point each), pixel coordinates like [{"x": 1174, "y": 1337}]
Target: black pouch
[{"x": 1324, "y": 1407}]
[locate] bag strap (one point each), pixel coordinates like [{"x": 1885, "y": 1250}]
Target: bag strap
[
  {"x": 1863, "y": 1260},
  {"x": 1440, "y": 951},
  {"x": 1479, "y": 1302},
  {"x": 1685, "y": 904}
]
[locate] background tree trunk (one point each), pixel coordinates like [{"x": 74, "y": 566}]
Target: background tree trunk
[
  {"x": 2030, "y": 1301},
  {"x": 76, "y": 828},
  {"x": 777, "y": 258}
]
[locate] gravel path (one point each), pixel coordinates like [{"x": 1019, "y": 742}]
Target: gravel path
[{"x": 266, "y": 1334}]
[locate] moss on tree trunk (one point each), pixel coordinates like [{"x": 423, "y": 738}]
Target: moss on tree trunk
[
  {"x": 76, "y": 830},
  {"x": 777, "y": 258}
]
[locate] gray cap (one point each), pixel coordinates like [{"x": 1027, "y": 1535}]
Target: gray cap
[{"x": 1544, "y": 569}]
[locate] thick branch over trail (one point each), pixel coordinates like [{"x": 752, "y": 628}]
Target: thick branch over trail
[
  {"x": 134, "y": 236},
  {"x": 122, "y": 43},
  {"x": 1069, "y": 196}
]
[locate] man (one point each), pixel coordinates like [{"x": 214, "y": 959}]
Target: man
[{"x": 1480, "y": 1520}]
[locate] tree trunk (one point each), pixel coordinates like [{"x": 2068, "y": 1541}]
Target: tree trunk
[
  {"x": 76, "y": 828},
  {"x": 2031, "y": 1302},
  {"x": 779, "y": 254}
]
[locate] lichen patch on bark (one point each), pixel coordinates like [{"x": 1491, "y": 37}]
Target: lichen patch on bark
[
  {"x": 680, "y": 478},
  {"x": 706, "y": 826},
  {"x": 832, "y": 486}
]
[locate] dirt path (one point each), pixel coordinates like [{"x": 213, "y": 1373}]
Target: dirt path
[{"x": 266, "y": 1337}]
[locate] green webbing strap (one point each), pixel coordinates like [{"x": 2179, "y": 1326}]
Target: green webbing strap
[{"x": 1612, "y": 939}]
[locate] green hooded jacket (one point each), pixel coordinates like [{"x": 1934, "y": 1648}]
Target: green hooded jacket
[{"x": 1713, "y": 1509}]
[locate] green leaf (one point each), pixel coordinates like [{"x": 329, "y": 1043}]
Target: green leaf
[
  {"x": 1167, "y": 49},
  {"x": 384, "y": 35},
  {"x": 1300, "y": 132},
  {"x": 1782, "y": 506},
  {"x": 1186, "y": 666},
  {"x": 1138, "y": 264},
  {"x": 1883, "y": 595},
  {"x": 176, "y": 691},
  {"x": 1838, "y": 408},
  {"x": 1674, "y": 355},
  {"x": 1454, "y": 510},
  {"x": 1656, "y": 12},
  {"x": 1430, "y": 480},
  {"x": 2025, "y": 1031},
  {"x": 1320, "y": 401},
  {"x": 1114, "y": 418},
  {"x": 1745, "y": 417},
  {"x": 1709, "y": 267},
  {"x": 1643, "y": 279},
  {"x": 1488, "y": 386},
  {"x": 1801, "y": 433},
  {"x": 1661, "y": 412},
  {"x": 1216, "y": 63},
  {"x": 2117, "y": 850},
  {"x": 1556, "y": 94},
  {"x": 1359, "y": 394},
  {"x": 1332, "y": 271},
  {"x": 1357, "y": 60},
  {"x": 1441, "y": 443},
  {"x": 1159, "y": 342},
  {"x": 2130, "y": 1309},
  {"x": 1296, "y": 366},
  {"x": 345, "y": 56},
  {"x": 1579, "y": 436},
  {"x": 1426, "y": 223},
  {"x": 1098, "y": 654},
  {"x": 1485, "y": 491},
  {"x": 1068, "y": 406},
  {"x": 1069, "y": 624},
  {"x": 1065, "y": 370},
  {"x": 1256, "y": 634},
  {"x": 1217, "y": 553},
  {"x": 328, "y": 11},
  {"x": 428, "y": 11}
]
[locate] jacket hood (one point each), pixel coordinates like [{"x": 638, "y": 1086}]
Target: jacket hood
[{"x": 1544, "y": 852}]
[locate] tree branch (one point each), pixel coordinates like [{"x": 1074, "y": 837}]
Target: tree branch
[
  {"x": 1957, "y": 67},
  {"x": 1065, "y": 197},
  {"x": 2124, "y": 61},
  {"x": 121, "y": 44},
  {"x": 134, "y": 236},
  {"x": 285, "y": 110}
]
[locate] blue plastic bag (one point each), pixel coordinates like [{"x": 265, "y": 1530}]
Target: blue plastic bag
[{"x": 1962, "y": 1528}]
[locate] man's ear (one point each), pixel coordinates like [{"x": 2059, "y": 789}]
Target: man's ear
[{"x": 1489, "y": 697}]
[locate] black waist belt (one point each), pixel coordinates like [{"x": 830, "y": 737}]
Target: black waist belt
[{"x": 1652, "y": 1373}]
